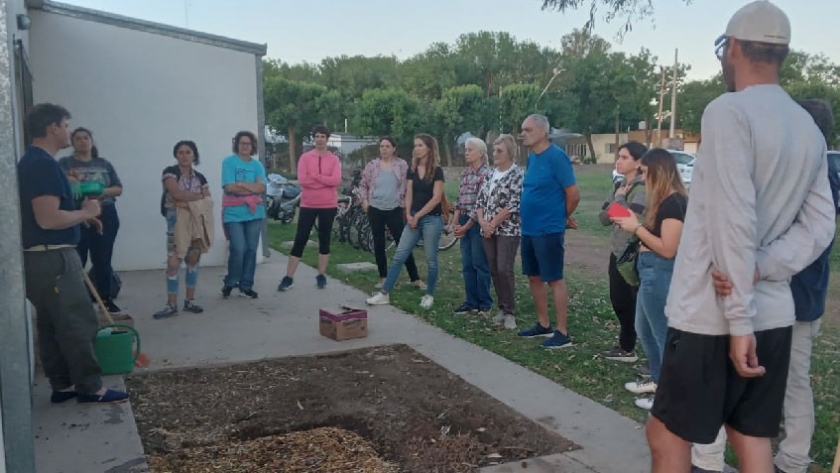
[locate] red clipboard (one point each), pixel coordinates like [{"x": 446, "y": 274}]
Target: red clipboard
[{"x": 617, "y": 210}]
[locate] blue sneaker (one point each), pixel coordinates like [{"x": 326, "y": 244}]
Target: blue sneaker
[
  {"x": 321, "y": 280},
  {"x": 558, "y": 340},
  {"x": 536, "y": 331}
]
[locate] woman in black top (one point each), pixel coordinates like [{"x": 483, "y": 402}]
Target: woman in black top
[
  {"x": 659, "y": 234},
  {"x": 424, "y": 192}
]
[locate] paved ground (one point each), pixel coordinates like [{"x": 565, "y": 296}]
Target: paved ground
[{"x": 73, "y": 438}]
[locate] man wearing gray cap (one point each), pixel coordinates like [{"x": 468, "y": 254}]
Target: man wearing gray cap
[{"x": 760, "y": 211}]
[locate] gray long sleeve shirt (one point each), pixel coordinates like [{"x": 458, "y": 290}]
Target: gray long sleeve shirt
[{"x": 759, "y": 198}]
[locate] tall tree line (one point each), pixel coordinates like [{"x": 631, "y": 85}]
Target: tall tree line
[{"x": 489, "y": 82}]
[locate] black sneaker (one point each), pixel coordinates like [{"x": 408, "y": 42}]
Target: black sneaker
[
  {"x": 166, "y": 312},
  {"x": 286, "y": 283},
  {"x": 249, "y": 293},
  {"x": 226, "y": 290},
  {"x": 617, "y": 354},
  {"x": 463, "y": 309},
  {"x": 321, "y": 280},
  {"x": 191, "y": 306},
  {"x": 112, "y": 308}
]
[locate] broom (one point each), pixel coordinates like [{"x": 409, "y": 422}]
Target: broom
[
  {"x": 836, "y": 467},
  {"x": 142, "y": 360}
]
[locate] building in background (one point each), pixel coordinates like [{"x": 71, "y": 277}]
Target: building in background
[{"x": 140, "y": 87}]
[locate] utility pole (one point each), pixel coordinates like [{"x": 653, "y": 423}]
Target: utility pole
[
  {"x": 661, "y": 103},
  {"x": 674, "y": 95},
  {"x": 617, "y": 129}
]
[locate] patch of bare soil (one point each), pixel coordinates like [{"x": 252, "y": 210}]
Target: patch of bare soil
[
  {"x": 416, "y": 414},
  {"x": 322, "y": 449},
  {"x": 588, "y": 253}
]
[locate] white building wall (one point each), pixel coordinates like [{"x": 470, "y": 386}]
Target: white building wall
[{"x": 140, "y": 93}]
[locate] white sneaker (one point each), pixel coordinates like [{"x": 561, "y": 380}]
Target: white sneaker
[
  {"x": 379, "y": 284},
  {"x": 510, "y": 322},
  {"x": 379, "y": 299},
  {"x": 641, "y": 387},
  {"x": 645, "y": 403},
  {"x": 427, "y": 302},
  {"x": 499, "y": 318}
]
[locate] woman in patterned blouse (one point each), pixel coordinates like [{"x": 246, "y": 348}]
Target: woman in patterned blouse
[{"x": 497, "y": 212}]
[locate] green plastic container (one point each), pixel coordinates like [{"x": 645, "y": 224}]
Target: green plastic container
[
  {"x": 92, "y": 188},
  {"x": 117, "y": 348}
]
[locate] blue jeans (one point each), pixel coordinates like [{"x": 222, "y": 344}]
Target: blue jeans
[
  {"x": 429, "y": 227},
  {"x": 475, "y": 269},
  {"x": 244, "y": 240},
  {"x": 651, "y": 324}
]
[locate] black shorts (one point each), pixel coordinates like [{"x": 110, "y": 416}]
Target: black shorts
[{"x": 699, "y": 389}]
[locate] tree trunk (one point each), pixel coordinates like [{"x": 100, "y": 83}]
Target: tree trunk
[
  {"x": 591, "y": 148},
  {"x": 292, "y": 151},
  {"x": 448, "y": 153},
  {"x": 617, "y": 133}
]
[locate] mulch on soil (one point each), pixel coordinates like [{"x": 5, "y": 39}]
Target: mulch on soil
[
  {"x": 322, "y": 449},
  {"x": 415, "y": 414}
]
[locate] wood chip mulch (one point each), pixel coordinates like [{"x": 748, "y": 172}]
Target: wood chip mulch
[{"x": 321, "y": 450}]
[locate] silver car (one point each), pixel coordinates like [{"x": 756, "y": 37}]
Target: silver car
[{"x": 685, "y": 166}]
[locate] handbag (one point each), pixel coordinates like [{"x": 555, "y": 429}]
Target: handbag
[{"x": 626, "y": 262}]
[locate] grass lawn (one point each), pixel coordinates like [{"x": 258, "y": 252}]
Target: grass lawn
[{"x": 592, "y": 324}]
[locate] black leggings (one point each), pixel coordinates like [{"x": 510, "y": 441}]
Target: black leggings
[
  {"x": 306, "y": 220},
  {"x": 623, "y": 298},
  {"x": 394, "y": 220}
]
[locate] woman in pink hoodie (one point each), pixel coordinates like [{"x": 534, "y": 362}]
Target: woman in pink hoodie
[{"x": 319, "y": 174}]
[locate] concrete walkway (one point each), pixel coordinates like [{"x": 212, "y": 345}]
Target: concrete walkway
[{"x": 73, "y": 438}]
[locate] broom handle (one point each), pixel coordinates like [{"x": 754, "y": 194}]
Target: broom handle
[{"x": 95, "y": 293}]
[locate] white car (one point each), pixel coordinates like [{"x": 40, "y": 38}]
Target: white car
[{"x": 685, "y": 166}]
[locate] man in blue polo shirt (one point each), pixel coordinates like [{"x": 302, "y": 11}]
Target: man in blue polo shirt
[
  {"x": 66, "y": 321},
  {"x": 549, "y": 197}
]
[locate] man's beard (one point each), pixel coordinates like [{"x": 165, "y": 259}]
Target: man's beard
[{"x": 728, "y": 77}]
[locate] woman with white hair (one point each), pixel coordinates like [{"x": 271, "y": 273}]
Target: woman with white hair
[{"x": 475, "y": 269}]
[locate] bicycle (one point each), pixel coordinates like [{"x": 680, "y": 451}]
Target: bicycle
[{"x": 365, "y": 236}]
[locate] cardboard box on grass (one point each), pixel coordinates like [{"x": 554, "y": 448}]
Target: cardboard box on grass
[{"x": 343, "y": 322}]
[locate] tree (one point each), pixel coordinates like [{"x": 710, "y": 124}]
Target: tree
[
  {"x": 428, "y": 74},
  {"x": 582, "y": 43},
  {"x": 293, "y": 106},
  {"x": 464, "y": 108},
  {"x": 391, "y": 112},
  {"x": 694, "y": 97},
  {"x": 592, "y": 87},
  {"x": 517, "y": 102},
  {"x": 303, "y": 72},
  {"x": 625, "y": 10}
]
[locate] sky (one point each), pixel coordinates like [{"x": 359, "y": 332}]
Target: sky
[{"x": 311, "y": 30}]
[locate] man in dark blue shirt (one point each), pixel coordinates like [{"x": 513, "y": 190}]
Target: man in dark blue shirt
[
  {"x": 549, "y": 197},
  {"x": 66, "y": 321},
  {"x": 809, "y": 288}
]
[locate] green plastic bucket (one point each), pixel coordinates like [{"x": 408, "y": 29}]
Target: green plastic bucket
[{"x": 115, "y": 348}]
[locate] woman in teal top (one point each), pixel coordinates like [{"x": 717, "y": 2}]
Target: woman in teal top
[{"x": 243, "y": 181}]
